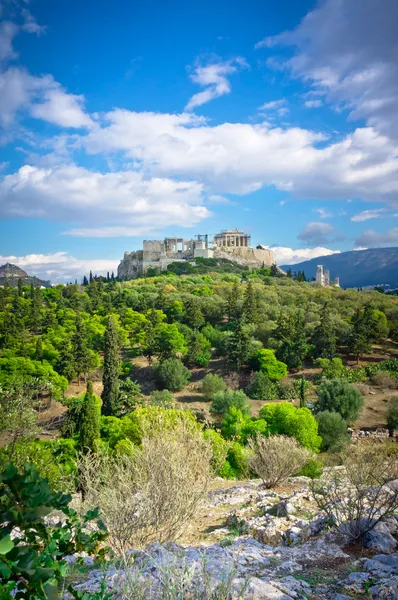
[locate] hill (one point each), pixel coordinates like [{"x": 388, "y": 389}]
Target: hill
[
  {"x": 11, "y": 274},
  {"x": 357, "y": 268}
]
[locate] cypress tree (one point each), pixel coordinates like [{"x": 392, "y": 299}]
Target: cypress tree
[
  {"x": 89, "y": 426},
  {"x": 302, "y": 392},
  {"x": 110, "y": 377},
  {"x": 325, "y": 336},
  {"x": 233, "y": 303},
  {"x": 85, "y": 280},
  {"x": 81, "y": 354},
  {"x": 238, "y": 346},
  {"x": 65, "y": 364},
  {"x": 249, "y": 304},
  {"x": 20, "y": 290},
  {"x": 39, "y": 349}
]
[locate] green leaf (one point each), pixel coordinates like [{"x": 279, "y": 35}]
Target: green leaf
[
  {"x": 4, "y": 570},
  {"x": 6, "y": 544}
]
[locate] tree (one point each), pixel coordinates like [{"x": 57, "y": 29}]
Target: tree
[
  {"x": 238, "y": 346},
  {"x": 89, "y": 426},
  {"x": 39, "y": 349},
  {"x": 302, "y": 392},
  {"x": 262, "y": 388},
  {"x": 110, "y": 376},
  {"x": 172, "y": 374},
  {"x": 20, "y": 288},
  {"x": 211, "y": 384},
  {"x": 293, "y": 342},
  {"x": 324, "y": 337},
  {"x": 392, "y": 415},
  {"x": 285, "y": 419},
  {"x": 274, "y": 271},
  {"x": 65, "y": 363},
  {"x": 333, "y": 430},
  {"x": 199, "y": 350},
  {"x": 266, "y": 362},
  {"x": 85, "y": 281},
  {"x": 249, "y": 309},
  {"x": 233, "y": 311},
  {"x": 81, "y": 354},
  {"x": 193, "y": 314},
  {"x": 222, "y": 401},
  {"x": 336, "y": 395}
]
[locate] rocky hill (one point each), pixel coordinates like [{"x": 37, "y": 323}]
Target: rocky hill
[
  {"x": 11, "y": 274},
  {"x": 357, "y": 268}
]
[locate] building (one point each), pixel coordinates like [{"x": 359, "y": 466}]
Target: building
[
  {"x": 323, "y": 278},
  {"x": 232, "y": 244}
]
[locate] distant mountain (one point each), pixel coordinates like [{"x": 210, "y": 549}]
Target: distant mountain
[
  {"x": 12, "y": 273},
  {"x": 356, "y": 268}
]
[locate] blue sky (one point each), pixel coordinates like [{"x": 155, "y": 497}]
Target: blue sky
[{"x": 125, "y": 120}]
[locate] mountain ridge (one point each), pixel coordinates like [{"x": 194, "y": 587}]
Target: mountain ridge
[
  {"x": 356, "y": 268},
  {"x": 12, "y": 273}
]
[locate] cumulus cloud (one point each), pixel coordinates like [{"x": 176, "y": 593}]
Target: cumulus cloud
[
  {"x": 243, "y": 157},
  {"x": 289, "y": 256},
  {"x": 60, "y": 266},
  {"x": 42, "y": 97},
  {"x": 8, "y": 31},
  {"x": 316, "y": 233},
  {"x": 371, "y": 238},
  {"x": 348, "y": 49},
  {"x": 366, "y": 215},
  {"x": 214, "y": 78},
  {"x": 74, "y": 194}
]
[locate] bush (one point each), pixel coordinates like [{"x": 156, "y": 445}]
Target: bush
[
  {"x": 262, "y": 388},
  {"x": 172, "y": 375},
  {"x": 341, "y": 397},
  {"x": 333, "y": 430},
  {"x": 238, "y": 459},
  {"x": 357, "y": 497},
  {"x": 33, "y": 563},
  {"x": 384, "y": 379},
  {"x": 285, "y": 419},
  {"x": 266, "y": 362},
  {"x": 276, "y": 458},
  {"x": 152, "y": 420},
  {"x": 211, "y": 384},
  {"x": 392, "y": 414},
  {"x": 313, "y": 469},
  {"x": 163, "y": 398},
  {"x": 222, "y": 401},
  {"x": 239, "y": 427},
  {"x": 152, "y": 493},
  {"x": 219, "y": 448}
]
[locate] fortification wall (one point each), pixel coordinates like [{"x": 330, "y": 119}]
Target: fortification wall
[{"x": 247, "y": 256}]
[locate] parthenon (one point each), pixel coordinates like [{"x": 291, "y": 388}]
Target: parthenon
[{"x": 231, "y": 238}]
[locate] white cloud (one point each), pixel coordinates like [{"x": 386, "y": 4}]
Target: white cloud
[
  {"x": 8, "y": 31},
  {"x": 30, "y": 24},
  {"x": 279, "y": 106},
  {"x": 289, "y": 256},
  {"x": 243, "y": 157},
  {"x": 103, "y": 200},
  {"x": 371, "y": 238},
  {"x": 347, "y": 49},
  {"x": 42, "y": 97},
  {"x": 214, "y": 78},
  {"x": 323, "y": 213},
  {"x": 60, "y": 266},
  {"x": 313, "y": 103},
  {"x": 316, "y": 233},
  {"x": 365, "y": 215}
]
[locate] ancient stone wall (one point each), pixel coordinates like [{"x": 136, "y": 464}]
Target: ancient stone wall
[{"x": 247, "y": 256}]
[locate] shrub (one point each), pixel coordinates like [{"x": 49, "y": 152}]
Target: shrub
[
  {"x": 357, "y": 497},
  {"x": 385, "y": 379},
  {"x": 341, "y": 397},
  {"x": 237, "y": 426},
  {"x": 285, "y": 419},
  {"x": 333, "y": 430},
  {"x": 152, "y": 420},
  {"x": 266, "y": 362},
  {"x": 222, "y": 401},
  {"x": 33, "y": 562},
  {"x": 262, "y": 388},
  {"x": 392, "y": 414},
  {"x": 219, "y": 448},
  {"x": 211, "y": 384},
  {"x": 276, "y": 458},
  {"x": 163, "y": 398},
  {"x": 172, "y": 375},
  {"x": 313, "y": 469},
  {"x": 238, "y": 458},
  {"x": 152, "y": 493}
]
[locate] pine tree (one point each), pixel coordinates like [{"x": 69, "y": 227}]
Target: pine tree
[
  {"x": 65, "y": 364},
  {"x": 89, "y": 425},
  {"x": 110, "y": 377},
  {"x": 324, "y": 336},
  {"x": 233, "y": 303},
  {"x": 193, "y": 314},
  {"x": 35, "y": 310},
  {"x": 85, "y": 280},
  {"x": 289, "y": 273},
  {"x": 91, "y": 279},
  {"x": 39, "y": 349},
  {"x": 238, "y": 346},
  {"x": 249, "y": 309},
  {"x": 274, "y": 271},
  {"x": 80, "y": 351},
  {"x": 359, "y": 341},
  {"x": 302, "y": 392},
  {"x": 20, "y": 288}
]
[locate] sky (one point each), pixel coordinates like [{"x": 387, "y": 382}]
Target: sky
[{"x": 129, "y": 120}]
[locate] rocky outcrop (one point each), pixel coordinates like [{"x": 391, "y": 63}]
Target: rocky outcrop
[
  {"x": 11, "y": 274},
  {"x": 252, "y": 257},
  {"x": 273, "y": 546}
]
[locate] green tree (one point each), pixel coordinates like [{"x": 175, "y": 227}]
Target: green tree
[
  {"x": 303, "y": 387},
  {"x": 333, "y": 430},
  {"x": 285, "y": 419},
  {"x": 211, "y": 384},
  {"x": 199, "y": 350},
  {"x": 89, "y": 425},
  {"x": 110, "y": 376},
  {"x": 233, "y": 310},
  {"x": 293, "y": 347},
  {"x": 65, "y": 363},
  {"x": 324, "y": 338},
  {"x": 262, "y": 388},
  {"x": 222, "y": 401},
  {"x": 172, "y": 374},
  {"x": 80, "y": 351},
  {"x": 193, "y": 314},
  {"x": 39, "y": 349},
  {"x": 238, "y": 346},
  {"x": 249, "y": 308},
  {"x": 20, "y": 288},
  {"x": 266, "y": 361},
  {"x": 336, "y": 395},
  {"x": 392, "y": 414}
]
